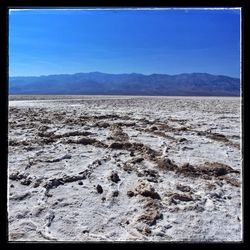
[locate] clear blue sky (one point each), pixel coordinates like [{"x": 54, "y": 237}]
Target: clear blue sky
[{"x": 170, "y": 41}]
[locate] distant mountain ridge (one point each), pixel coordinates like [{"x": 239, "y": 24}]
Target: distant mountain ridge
[{"x": 186, "y": 84}]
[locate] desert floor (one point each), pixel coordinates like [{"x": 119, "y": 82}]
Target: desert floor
[{"x": 123, "y": 168}]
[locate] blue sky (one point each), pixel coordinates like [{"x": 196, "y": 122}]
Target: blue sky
[{"x": 167, "y": 41}]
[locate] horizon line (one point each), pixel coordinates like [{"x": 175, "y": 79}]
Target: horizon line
[{"x": 125, "y": 73}]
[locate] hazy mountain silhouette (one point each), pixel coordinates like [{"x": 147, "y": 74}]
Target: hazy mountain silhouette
[{"x": 194, "y": 84}]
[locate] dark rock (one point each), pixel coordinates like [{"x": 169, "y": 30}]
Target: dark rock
[
  {"x": 154, "y": 128},
  {"x": 114, "y": 177},
  {"x": 116, "y": 145},
  {"x": 115, "y": 193},
  {"x": 150, "y": 193},
  {"x": 130, "y": 193},
  {"x": 182, "y": 140},
  {"x": 187, "y": 148},
  {"x": 80, "y": 183},
  {"x": 183, "y": 129},
  {"x": 99, "y": 189},
  {"x": 201, "y": 133}
]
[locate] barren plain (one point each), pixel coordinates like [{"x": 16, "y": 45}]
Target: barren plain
[{"x": 124, "y": 168}]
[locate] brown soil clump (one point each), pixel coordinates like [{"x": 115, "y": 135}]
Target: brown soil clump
[
  {"x": 166, "y": 164},
  {"x": 208, "y": 169},
  {"x": 147, "y": 190},
  {"x": 151, "y": 213},
  {"x": 117, "y": 134}
]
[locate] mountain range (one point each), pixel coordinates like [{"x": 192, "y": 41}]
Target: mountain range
[{"x": 191, "y": 84}]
